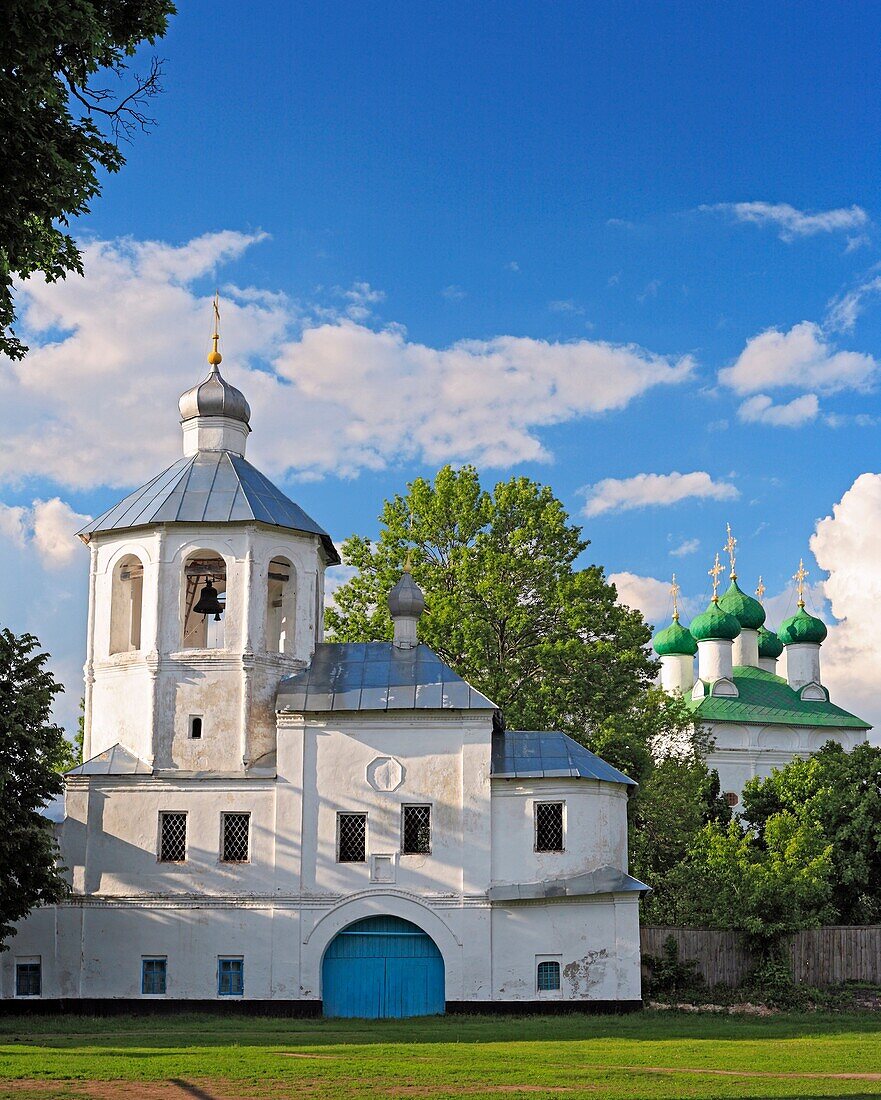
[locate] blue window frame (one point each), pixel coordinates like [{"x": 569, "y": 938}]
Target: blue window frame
[
  {"x": 230, "y": 977},
  {"x": 154, "y": 973},
  {"x": 28, "y": 979},
  {"x": 548, "y": 976}
]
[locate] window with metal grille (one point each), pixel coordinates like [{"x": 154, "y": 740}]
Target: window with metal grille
[
  {"x": 231, "y": 977},
  {"x": 416, "y": 830},
  {"x": 153, "y": 974},
  {"x": 28, "y": 979},
  {"x": 235, "y": 838},
  {"x": 172, "y": 837},
  {"x": 351, "y": 838},
  {"x": 549, "y": 826},
  {"x": 548, "y": 976}
]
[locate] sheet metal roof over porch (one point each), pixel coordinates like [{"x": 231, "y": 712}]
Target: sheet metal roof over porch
[
  {"x": 370, "y": 676},
  {"x": 209, "y": 487},
  {"x": 529, "y": 754}
]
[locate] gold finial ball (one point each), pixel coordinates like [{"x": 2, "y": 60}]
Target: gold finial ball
[{"x": 215, "y": 358}]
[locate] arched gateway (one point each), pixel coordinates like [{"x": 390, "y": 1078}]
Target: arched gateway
[{"x": 381, "y": 967}]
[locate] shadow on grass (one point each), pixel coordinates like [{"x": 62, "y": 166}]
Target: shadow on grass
[{"x": 205, "y": 1030}]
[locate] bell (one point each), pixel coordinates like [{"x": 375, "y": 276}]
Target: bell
[{"x": 208, "y": 603}]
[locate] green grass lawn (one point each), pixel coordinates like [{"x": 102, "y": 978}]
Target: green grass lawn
[{"x": 652, "y": 1054}]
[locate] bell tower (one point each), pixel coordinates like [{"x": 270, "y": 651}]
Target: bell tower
[{"x": 206, "y": 587}]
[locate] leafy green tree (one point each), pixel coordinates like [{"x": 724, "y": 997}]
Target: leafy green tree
[
  {"x": 837, "y": 793},
  {"x": 763, "y": 890},
  {"x": 507, "y": 607},
  {"x": 58, "y": 128},
  {"x": 31, "y": 749},
  {"x": 73, "y": 751},
  {"x": 668, "y": 813}
]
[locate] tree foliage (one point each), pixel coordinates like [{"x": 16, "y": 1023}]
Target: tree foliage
[
  {"x": 763, "y": 890},
  {"x": 507, "y": 607},
  {"x": 59, "y": 128},
  {"x": 838, "y": 794},
  {"x": 31, "y": 750}
]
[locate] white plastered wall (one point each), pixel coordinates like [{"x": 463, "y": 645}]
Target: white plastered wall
[{"x": 144, "y": 700}]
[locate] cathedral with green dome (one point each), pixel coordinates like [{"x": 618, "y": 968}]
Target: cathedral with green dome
[{"x": 757, "y": 693}]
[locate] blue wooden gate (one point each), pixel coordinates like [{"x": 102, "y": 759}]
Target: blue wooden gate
[{"x": 382, "y": 966}]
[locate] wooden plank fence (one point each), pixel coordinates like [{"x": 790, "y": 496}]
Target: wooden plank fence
[{"x": 819, "y": 956}]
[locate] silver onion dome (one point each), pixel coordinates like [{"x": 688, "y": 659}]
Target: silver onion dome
[
  {"x": 214, "y": 396},
  {"x": 406, "y": 599}
]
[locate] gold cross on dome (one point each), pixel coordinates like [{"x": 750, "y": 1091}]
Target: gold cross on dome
[
  {"x": 729, "y": 547},
  {"x": 675, "y": 589},
  {"x": 715, "y": 573},
  {"x": 214, "y": 357},
  {"x": 799, "y": 578},
  {"x": 760, "y": 588}
]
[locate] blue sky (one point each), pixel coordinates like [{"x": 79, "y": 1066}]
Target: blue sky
[{"x": 699, "y": 181}]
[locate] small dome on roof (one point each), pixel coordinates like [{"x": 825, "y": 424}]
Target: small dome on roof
[
  {"x": 406, "y": 598},
  {"x": 714, "y": 625},
  {"x": 748, "y": 611},
  {"x": 214, "y": 396},
  {"x": 802, "y": 627},
  {"x": 769, "y": 644},
  {"x": 674, "y": 639}
]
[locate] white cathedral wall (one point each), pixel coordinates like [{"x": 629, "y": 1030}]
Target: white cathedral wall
[
  {"x": 94, "y": 948},
  {"x": 742, "y": 751},
  {"x": 594, "y": 821},
  {"x": 162, "y": 685},
  {"x": 444, "y": 762}
]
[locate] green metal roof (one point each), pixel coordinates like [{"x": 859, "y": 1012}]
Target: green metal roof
[
  {"x": 674, "y": 639},
  {"x": 748, "y": 612},
  {"x": 802, "y": 627},
  {"x": 714, "y": 624},
  {"x": 770, "y": 701}
]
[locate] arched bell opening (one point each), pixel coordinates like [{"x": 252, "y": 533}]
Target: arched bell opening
[
  {"x": 382, "y": 967},
  {"x": 126, "y": 605},
  {"x": 203, "y": 601},
  {"x": 281, "y": 606}
]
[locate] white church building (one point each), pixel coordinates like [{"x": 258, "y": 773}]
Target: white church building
[
  {"x": 266, "y": 817},
  {"x": 756, "y": 719}
]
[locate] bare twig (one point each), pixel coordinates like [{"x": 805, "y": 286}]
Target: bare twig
[{"x": 126, "y": 116}]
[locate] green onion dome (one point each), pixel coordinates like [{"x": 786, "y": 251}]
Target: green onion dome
[
  {"x": 769, "y": 644},
  {"x": 714, "y": 625},
  {"x": 675, "y": 639},
  {"x": 748, "y": 612},
  {"x": 802, "y": 627}
]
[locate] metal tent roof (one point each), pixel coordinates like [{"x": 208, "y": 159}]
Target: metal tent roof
[
  {"x": 209, "y": 487},
  {"x": 529, "y": 754},
  {"x": 359, "y": 676}
]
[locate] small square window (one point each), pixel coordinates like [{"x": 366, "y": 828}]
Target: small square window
[
  {"x": 236, "y": 828},
  {"x": 416, "y": 830},
  {"x": 195, "y": 727},
  {"x": 172, "y": 837},
  {"x": 549, "y": 826},
  {"x": 547, "y": 977},
  {"x": 153, "y": 976},
  {"x": 28, "y": 979},
  {"x": 231, "y": 977},
  {"x": 351, "y": 838}
]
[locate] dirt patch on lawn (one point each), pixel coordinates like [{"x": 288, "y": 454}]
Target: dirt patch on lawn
[{"x": 807, "y": 1076}]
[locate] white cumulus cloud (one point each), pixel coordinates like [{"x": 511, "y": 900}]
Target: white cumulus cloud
[
  {"x": 802, "y": 358},
  {"x": 49, "y": 526},
  {"x": 328, "y": 395},
  {"x": 762, "y": 410},
  {"x": 790, "y": 221},
  {"x": 846, "y": 545},
  {"x": 644, "y": 490}
]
